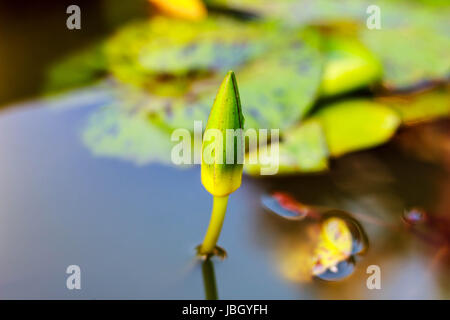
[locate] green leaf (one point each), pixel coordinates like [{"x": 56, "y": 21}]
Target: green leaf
[
  {"x": 349, "y": 65},
  {"x": 423, "y": 107},
  {"x": 406, "y": 58},
  {"x": 412, "y": 44},
  {"x": 303, "y": 12},
  {"x": 303, "y": 150},
  {"x": 170, "y": 47},
  {"x": 76, "y": 70},
  {"x": 115, "y": 132},
  {"x": 356, "y": 124},
  {"x": 276, "y": 90}
]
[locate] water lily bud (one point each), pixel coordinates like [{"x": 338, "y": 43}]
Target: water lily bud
[{"x": 222, "y": 148}]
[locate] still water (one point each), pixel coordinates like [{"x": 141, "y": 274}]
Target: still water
[{"x": 133, "y": 229}]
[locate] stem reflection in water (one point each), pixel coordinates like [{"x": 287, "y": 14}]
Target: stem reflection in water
[{"x": 209, "y": 280}]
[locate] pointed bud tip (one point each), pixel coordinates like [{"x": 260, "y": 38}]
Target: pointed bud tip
[
  {"x": 226, "y": 112},
  {"x": 230, "y": 79},
  {"x": 230, "y": 74}
]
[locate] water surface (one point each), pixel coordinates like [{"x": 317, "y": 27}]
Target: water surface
[{"x": 133, "y": 229}]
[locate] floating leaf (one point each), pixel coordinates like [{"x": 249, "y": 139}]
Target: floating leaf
[
  {"x": 163, "y": 46},
  {"x": 280, "y": 89},
  {"x": 405, "y": 59},
  {"x": 413, "y": 43},
  {"x": 185, "y": 9},
  {"x": 356, "y": 124},
  {"x": 349, "y": 65},
  {"x": 79, "y": 69},
  {"x": 301, "y": 12},
  {"x": 276, "y": 90},
  {"x": 420, "y": 107},
  {"x": 303, "y": 150},
  {"x": 113, "y": 131}
]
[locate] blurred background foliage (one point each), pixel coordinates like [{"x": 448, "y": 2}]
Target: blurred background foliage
[{"x": 312, "y": 69}]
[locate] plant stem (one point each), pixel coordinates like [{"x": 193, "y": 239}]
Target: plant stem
[
  {"x": 209, "y": 280},
  {"x": 215, "y": 225}
]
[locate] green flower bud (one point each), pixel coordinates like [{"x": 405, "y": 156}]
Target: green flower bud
[{"x": 222, "y": 148}]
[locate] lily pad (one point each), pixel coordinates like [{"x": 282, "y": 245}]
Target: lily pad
[
  {"x": 113, "y": 131},
  {"x": 357, "y": 124},
  {"x": 301, "y": 12},
  {"x": 164, "y": 46},
  {"x": 304, "y": 149},
  {"x": 276, "y": 90},
  {"x": 412, "y": 44},
  {"x": 420, "y": 107},
  {"x": 349, "y": 65},
  {"x": 406, "y": 60},
  {"x": 79, "y": 69}
]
